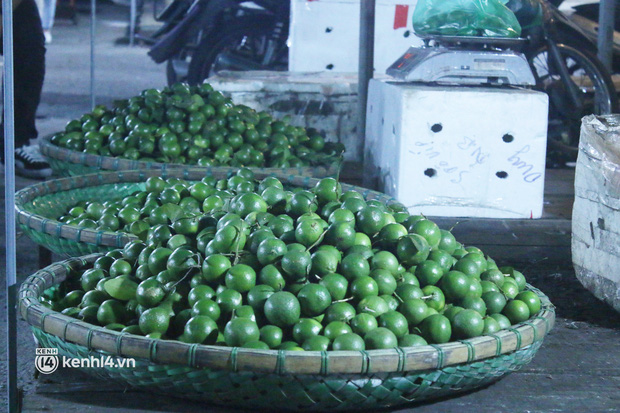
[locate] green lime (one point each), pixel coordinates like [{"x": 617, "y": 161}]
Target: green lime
[
  {"x": 256, "y": 345},
  {"x": 155, "y": 320},
  {"x": 214, "y": 267},
  {"x": 158, "y": 259},
  {"x": 429, "y": 230},
  {"x": 476, "y": 304},
  {"x": 488, "y": 286},
  {"x": 390, "y": 234},
  {"x": 282, "y": 309},
  {"x": 308, "y": 232},
  {"x": 519, "y": 279},
  {"x": 415, "y": 310},
  {"x": 314, "y": 300},
  {"x": 455, "y": 285},
  {"x": 428, "y": 273},
  {"x": 324, "y": 262},
  {"x": 448, "y": 242},
  {"x": 341, "y": 235},
  {"x": 362, "y": 287},
  {"x": 305, "y": 329},
  {"x": 385, "y": 281},
  {"x": 354, "y": 266},
  {"x": 341, "y": 311},
  {"x": 405, "y": 292},
  {"x": 451, "y": 311},
  {"x": 258, "y": 295},
  {"x": 208, "y": 307},
  {"x": 336, "y": 285},
  {"x": 90, "y": 278},
  {"x": 442, "y": 258},
  {"x": 271, "y": 335},
  {"x": 491, "y": 326},
  {"x": 436, "y": 329},
  {"x": 370, "y": 220},
  {"x": 495, "y": 302},
  {"x": 411, "y": 340},
  {"x": 336, "y": 329},
  {"x": 475, "y": 288},
  {"x": 412, "y": 249},
  {"x": 395, "y": 322},
  {"x": 94, "y": 297},
  {"x": 302, "y": 202},
  {"x": 380, "y": 338},
  {"x": 517, "y": 311},
  {"x": 502, "y": 320},
  {"x": 373, "y": 305},
  {"x": 120, "y": 267},
  {"x": 363, "y": 323},
  {"x": 467, "y": 324},
  {"x": 468, "y": 266},
  {"x": 271, "y": 276},
  {"x": 327, "y": 190},
  {"x": 510, "y": 289},
  {"x": 240, "y": 277},
  {"x": 239, "y": 331},
  {"x": 316, "y": 343},
  {"x": 348, "y": 342},
  {"x": 493, "y": 275},
  {"x": 362, "y": 239},
  {"x": 200, "y": 329},
  {"x": 228, "y": 300},
  {"x": 296, "y": 265},
  {"x": 249, "y": 202},
  {"x": 531, "y": 300},
  {"x": 150, "y": 293},
  {"x": 385, "y": 260},
  {"x": 341, "y": 215}
]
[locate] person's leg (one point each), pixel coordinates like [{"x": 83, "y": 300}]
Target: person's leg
[
  {"x": 47, "y": 18},
  {"x": 29, "y": 64}
]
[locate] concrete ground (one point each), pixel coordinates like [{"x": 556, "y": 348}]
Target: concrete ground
[{"x": 576, "y": 370}]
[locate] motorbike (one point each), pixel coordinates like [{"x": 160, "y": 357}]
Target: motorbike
[
  {"x": 564, "y": 62},
  {"x": 202, "y": 37},
  {"x": 586, "y": 17}
]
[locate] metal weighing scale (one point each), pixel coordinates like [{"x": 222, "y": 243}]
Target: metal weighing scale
[{"x": 465, "y": 60}]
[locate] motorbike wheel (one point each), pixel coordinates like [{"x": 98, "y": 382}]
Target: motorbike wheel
[
  {"x": 598, "y": 94},
  {"x": 243, "y": 48}
]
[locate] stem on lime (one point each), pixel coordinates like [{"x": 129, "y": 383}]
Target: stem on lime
[
  {"x": 344, "y": 300},
  {"x": 317, "y": 241},
  {"x": 398, "y": 298},
  {"x": 427, "y": 297}
]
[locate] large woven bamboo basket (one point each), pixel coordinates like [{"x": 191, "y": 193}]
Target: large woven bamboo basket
[
  {"x": 279, "y": 379},
  {"x": 38, "y": 206},
  {"x": 65, "y": 162}
]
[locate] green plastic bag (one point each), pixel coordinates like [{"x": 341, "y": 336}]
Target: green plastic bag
[{"x": 489, "y": 18}]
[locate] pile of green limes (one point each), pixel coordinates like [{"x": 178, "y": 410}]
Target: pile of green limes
[
  {"x": 245, "y": 263},
  {"x": 195, "y": 125}
]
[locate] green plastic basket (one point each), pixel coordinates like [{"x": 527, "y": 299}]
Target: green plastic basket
[
  {"x": 38, "y": 206},
  {"x": 65, "y": 162},
  {"x": 279, "y": 379}
]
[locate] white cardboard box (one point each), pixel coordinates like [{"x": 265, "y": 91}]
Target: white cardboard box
[
  {"x": 324, "y": 35},
  {"x": 458, "y": 151}
]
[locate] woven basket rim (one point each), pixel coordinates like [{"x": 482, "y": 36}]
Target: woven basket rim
[
  {"x": 111, "y": 163},
  {"x": 404, "y": 359},
  {"x": 117, "y": 239}
]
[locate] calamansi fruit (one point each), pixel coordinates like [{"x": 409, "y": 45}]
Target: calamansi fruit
[
  {"x": 282, "y": 309},
  {"x": 380, "y": 338}
]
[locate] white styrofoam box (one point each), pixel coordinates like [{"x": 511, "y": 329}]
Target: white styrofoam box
[
  {"x": 457, "y": 151},
  {"x": 324, "y": 35},
  {"x": 324, "y": 101},
  {"x": 596, "y": 212}
]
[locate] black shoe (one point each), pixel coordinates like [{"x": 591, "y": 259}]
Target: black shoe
[{"x": 29, "y": 163}]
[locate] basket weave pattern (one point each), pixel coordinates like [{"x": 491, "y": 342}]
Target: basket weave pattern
[{"x": 329, "y": 380}]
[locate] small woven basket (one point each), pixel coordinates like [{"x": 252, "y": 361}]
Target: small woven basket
[
  {"x": 38, "y": 206},
  {"x": 65, "y": 162},
  {"x": 283, "y": 380}
]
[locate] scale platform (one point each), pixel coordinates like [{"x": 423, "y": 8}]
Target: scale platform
[{"x": 465, "y": 60}]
